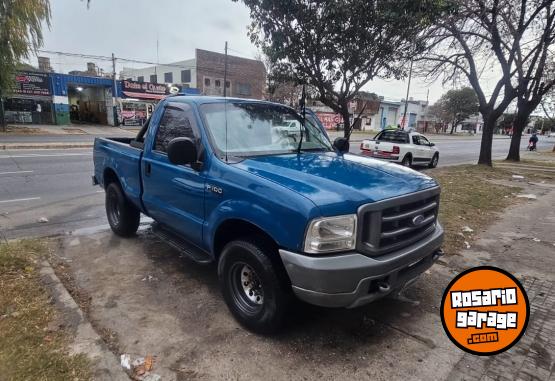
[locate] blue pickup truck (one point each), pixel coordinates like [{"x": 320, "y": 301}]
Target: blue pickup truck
[{"x": 281, "y": 216}]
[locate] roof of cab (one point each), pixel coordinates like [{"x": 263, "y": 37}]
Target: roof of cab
[{"x": 203, "y": 99}]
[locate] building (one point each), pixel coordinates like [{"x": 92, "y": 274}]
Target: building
[
  {"x": 246, "y": 78},
  {"x": 30, "y": 100}
]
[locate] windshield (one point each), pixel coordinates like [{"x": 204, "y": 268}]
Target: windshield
[
  {"x": 259, "y": 129},
  {"x": 393, "y": 136}
]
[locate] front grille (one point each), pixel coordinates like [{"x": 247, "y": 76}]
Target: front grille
[{"x": 395, "y": 223}]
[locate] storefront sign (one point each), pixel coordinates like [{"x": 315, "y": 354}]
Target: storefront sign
[
  {"x": 329, "y": 119},
  {"x": 32, "y": 83},
  {"x": 145, "y": 88}
]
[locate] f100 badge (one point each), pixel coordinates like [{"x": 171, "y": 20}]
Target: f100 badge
[{"x": 485, "y": 310}]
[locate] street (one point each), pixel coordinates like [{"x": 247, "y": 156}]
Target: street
[{"x": 56, "y": 185}]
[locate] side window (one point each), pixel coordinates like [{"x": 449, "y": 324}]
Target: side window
[
  {"x": 415, "y": 140},
  {"x": 175, "y": 123},
  {"x": 424, "y": 141}
]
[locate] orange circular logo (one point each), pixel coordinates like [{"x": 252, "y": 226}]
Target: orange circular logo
[{"x": 485, "y": 310}]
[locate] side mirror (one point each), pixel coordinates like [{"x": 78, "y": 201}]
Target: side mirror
[
  {"x": 341, "y": 144},
  {"x": 182, "y": 151},
  {"x": 432, "y": 144}
]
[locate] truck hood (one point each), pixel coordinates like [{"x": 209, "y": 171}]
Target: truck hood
[{"x": 338, "y": 184}]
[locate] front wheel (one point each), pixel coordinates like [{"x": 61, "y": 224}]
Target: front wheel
[
  {"x": 251, "y": 286},
  {"x": 123, "y": 217},
  {"x": 434, "y": 161}
]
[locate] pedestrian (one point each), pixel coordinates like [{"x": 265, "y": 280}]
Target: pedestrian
[{"x": 532, "y": 142}]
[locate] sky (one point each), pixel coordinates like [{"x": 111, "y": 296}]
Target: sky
[{"x": 131, "y": 28}]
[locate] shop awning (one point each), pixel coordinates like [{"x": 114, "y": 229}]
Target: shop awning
[{"x": 132, "y": 94}]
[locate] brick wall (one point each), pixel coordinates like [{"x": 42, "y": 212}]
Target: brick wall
[{"x": 246, "y": 77}]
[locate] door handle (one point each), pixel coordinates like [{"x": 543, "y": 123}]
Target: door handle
[{"x": 148, "y": 169}]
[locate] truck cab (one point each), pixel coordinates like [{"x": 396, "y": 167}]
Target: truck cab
[{"x": 282, "y": 216}]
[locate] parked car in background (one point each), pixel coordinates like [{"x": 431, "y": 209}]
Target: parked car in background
[
  {"x": 404, "y": 147},
  {"x": 551, "y": 134}
]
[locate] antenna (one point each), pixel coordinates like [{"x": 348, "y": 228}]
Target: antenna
[
  {"x": 225, "y": 100},
  {"x": 303, "y": 110}
]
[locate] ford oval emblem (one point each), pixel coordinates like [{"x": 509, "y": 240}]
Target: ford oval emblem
[{"x": 418, "y": 220}]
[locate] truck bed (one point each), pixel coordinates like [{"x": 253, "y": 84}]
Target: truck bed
[{"x": 124, "y": 158}]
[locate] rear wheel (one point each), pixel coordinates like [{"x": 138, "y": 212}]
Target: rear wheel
[
  {"x": 434, "y": 161},
  {"x": 251, "y": 286},
  {"x": 407, "y": 161},
  {"x": 123, "y": 217}
]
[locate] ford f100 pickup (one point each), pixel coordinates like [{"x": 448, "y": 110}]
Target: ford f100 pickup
[{"x": 281, "y": 215}]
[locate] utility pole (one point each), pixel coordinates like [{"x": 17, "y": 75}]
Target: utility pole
[
  {"x": 114, "y": 75},
  {"x": 407, "y": 97},
  {"x": 115, "y": 92},
  {"x": 225, "y": 71}
]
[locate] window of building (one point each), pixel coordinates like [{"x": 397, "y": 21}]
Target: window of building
[
  {"x": 175, "y": 123},
  {"x": 217, "y": 83},
  {"x": 141, "y": 78},
  {"x": 185, "y": 76},
  {"x": 244, "y": 89},
  {"x": 168, "y": 77},
  {"x": 153, "y": 78},
  {"x": 227, "y": 84},
  {"x": 206, "y": 81}
]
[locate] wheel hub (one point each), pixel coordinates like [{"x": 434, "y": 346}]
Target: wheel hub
[{"x": 251, "y": 285}]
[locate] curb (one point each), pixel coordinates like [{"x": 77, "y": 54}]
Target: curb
[
  {"x": 9, "y": 146},
  {"x": 86, "y": 341}
]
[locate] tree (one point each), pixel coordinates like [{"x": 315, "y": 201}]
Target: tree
[
  {"x": 280, "y": 87},
  {"x": 535, "y": 74},
  {"x": 339, "y": 46},
  {"x": 438, "y": 113},
  {"x": 493, "y": 35},
  {"x": 459, "y": 104},
  {"x": 20, "y": 34}
]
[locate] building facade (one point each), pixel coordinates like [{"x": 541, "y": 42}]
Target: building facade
[{"x": 246, "y": 78}]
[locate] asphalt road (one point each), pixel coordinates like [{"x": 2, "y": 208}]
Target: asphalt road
[{"x": 56, "y": 185}]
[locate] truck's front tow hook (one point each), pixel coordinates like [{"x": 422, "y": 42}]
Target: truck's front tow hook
[
  {"x": 437, "y": 254},
  {"x": 384, "y": 287}
]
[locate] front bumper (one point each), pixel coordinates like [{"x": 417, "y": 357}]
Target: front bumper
[{"x": 353, "y": 279}]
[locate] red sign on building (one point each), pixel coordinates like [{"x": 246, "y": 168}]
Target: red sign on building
[{"x": 329, "y": 119}]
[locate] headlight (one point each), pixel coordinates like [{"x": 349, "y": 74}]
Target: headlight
[{"x": 329, "y": 234}]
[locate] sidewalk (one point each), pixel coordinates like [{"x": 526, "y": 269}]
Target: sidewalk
[{"x": 49, "y": 136}]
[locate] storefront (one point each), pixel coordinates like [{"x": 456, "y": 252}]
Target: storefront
[
  {"x": 31, "y": 100},
  {"x": 82, "y": 99},
  {"x": 138, "y": 99}
]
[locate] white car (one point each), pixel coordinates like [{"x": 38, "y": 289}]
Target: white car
[
  {"x": 404, "y": 147},
  {"x": 551, "y": 135}
]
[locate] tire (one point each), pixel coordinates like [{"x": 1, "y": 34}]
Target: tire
[
  {"x": 123, "y": 217},
  {"x": 407, "y": 161},
  {"x": 434, "y": 161},
  {"x": 260, "y": 305}
]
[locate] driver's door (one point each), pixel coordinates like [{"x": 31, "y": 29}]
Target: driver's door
[{"x": 174, "y": 194}]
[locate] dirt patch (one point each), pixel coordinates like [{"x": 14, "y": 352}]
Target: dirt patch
[
  {"x": 470, "y": 201},
  {"x": 32, "y": 339},
  {"x": 21, "y": 130},
  {"x": 74, "y": 131}
]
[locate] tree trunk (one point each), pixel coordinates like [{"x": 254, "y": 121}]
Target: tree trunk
[
  {"x": 2, "y": 118},
  {"x": 453, "y": 126},
  {"x": 487, "y": 139},
  {"x": 514, "y": 149},
  {"x": 346, "y": 122}
]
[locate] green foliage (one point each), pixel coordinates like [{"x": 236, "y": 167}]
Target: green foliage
[
  {"x": 338, "y": 46},
  {"x": 21, "y": 24},
  {"x": 545, "y": 124},
  {"x": 455, "y": 106}
]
